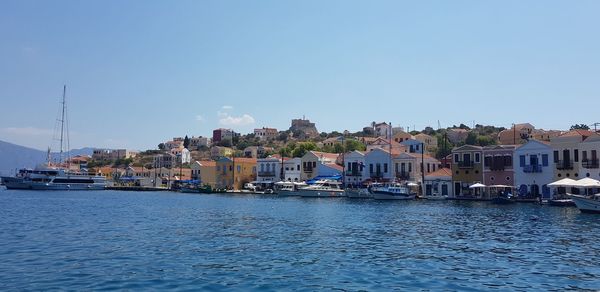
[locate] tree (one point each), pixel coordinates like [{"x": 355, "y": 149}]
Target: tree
[
  {"x": 186, "y": 142},
  {"x": 302, "y": 148},
  {"x": 429, "y": 131},
  {"x": 471, "y": 139},
  {"x": 580, "y": 127},
  {"x": 352, "y": 145},
  {"x": 485, "y": 141},
  {"x": 338, "y": 148},
  {"x": 161, "y": 146},
  {"x": 225, "y": 143}
]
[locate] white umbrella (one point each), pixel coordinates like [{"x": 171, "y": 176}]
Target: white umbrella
[
  {"x": 587, "y": 183},
  {"x": 477, "y": 185},
  {"x": 412, "y": 184},
  {"x": 565, "y": 182}
]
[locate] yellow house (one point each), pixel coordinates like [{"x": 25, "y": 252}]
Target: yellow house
[
  {"x": 205, "y": 172},
  {"x": 235, "y": 173}
]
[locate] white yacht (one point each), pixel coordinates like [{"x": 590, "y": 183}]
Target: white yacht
[
  {"x": 53, "y": 178},
  {"x": 391, "y": 191},
  {"x": 288, "y": 188},
  {"x": 322, "y": 189},
  {"x": 358, "y": 193},
  {"x": 587, "y": 204}
]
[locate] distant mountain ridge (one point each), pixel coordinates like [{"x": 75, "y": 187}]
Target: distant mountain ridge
[{"x": 14, "y": 156}]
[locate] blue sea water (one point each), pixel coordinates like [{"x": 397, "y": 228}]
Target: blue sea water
[{"x": 111, "y": 240}]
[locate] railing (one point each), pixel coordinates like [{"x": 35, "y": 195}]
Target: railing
[
  {"x": 353, "y": 173},
  {"x": 308, "y": 169},
  {"x": 266, "y": 173},
  {"x": 564, "y": 164},
  {"x": 376, "y": 174},
  {"x": 466, "y": 164},
  {"x": 533, "y": 168},
  {"x": 403, "y": 175},
  {"x": 497, "y": 167},
  {"x": 591, "y": 163}
]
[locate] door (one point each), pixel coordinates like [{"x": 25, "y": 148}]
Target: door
[
  {"x": 457, "y": 189},
  {"x": 444, "y": 190}
]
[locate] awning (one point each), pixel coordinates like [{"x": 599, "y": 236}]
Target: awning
[
  {"x": 565, "y": 182},
  {"x": 587, "y": 183},
  {"x": 477, "y": 185}
]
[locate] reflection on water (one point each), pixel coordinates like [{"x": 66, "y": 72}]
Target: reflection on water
[{"x": 119, "y": 240}]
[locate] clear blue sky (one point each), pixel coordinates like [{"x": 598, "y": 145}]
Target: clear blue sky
[{"x": 142, "y": 72}]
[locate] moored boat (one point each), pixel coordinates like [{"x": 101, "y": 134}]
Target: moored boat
[
  {"x": 587, "y": 204},
  {"x": 391, "y": 191},
  {"x": 322, "y": 189},
  {"x": 53, "y": 178},
  {"x": 358, "y": 193}
]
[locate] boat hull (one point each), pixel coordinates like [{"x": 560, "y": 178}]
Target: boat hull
[
  {"x": 321, "y": 193},
  {"x": 392, "y": 196},
  {"x": 502, "y": 201},
  {"x": 586, "y": 205},
  {"x": 358, "y": 194},
  {"x": 562, "y": 203},
  {"x": 13, "y": 183},
  {"x": 435, "y": 198}
]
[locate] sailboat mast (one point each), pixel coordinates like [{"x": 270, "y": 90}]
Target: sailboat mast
[{"x": 62, "y": 123}]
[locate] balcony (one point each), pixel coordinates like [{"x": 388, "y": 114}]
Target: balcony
[
  {"x": 533, "y": 168},
  {"x": 266, "y": 173},
  {"x": 590, "y": 163},
  {"x": 403, "y": 175},
  {"x": 564, "y": 165},
  {"x": 376, "y": 174},
  {"x": 308, "y": 169},
  {"x": 466, "y": 164},
  {"x": 497, "y": 167},
  {"x": 353, "y": 173}
]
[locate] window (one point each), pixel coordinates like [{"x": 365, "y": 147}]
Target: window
[
  {"x": 239, "y": 168},
  {"x": 409, "y": 167},
  {"x": 371, "y": 167},
  {"x": 576, "y": 155},
  {"x": 544, "y": 159},
  {"x": 487, "y": 161},
  {"x": 455, "y": 158},
  {"x": 508, "y": 160},
  {"x": 477, "y": 157},
  {"x": 584, "y": 156},
  {"x": 298, "y": 167},
  {"x": 428, "y": 168},
  {"x": 556, "y": 156},
  {"x": 385, "y": 167},
  {"x": 314, "y": 164},
  {"x": 522, "y": 160}
]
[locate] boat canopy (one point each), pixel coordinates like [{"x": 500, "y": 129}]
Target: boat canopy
[
  {"x": 323, "y": 177},
  {"x": 477, "y": 185},
  {"x": 586, "y": 183},
  {"x": 565, "y": 182}
]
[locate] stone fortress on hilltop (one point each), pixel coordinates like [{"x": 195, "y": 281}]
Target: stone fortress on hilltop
[{"x": 305, "y": 127}]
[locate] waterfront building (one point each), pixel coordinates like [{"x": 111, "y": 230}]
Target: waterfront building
[
  {"x": 205, "y": 171},
  {"x": 235, "y": 173},
  {"x": 590, "y": 150},
  {"x": 266, "y": 134},
  {"x": 378, "y": 164},
  {"x": 269, "y": 169},
  {"x": 412, "y": 166},
  {"x": 356, "y": 173},
  {"x": 182, "y": 155},
  {"x": 533, "y": 169},
  {"x": 467, "y": 169},
  {"x": 439, "y": 182},
  {"x": 293, "y": 169},
  {"x": 498, "y": 165},
  {"x": 311, "y": 159},
  {"x": 566, "y": 154}
]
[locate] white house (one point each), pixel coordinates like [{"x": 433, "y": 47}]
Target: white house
[
  {"x": 439, "y": 182},
  {"x": 533, "y": 168},
  {"x": 378, "y": 165},
  {"x": 590, "y": 149},
  {"x": 383, "y": 130},
  {"x": 407, "y": 166},
  {"x": 356, "y": 172},
  {"x": 413, "y": 146},
  {"x": 269, "y": 169},
  {"x": 292, "y": 169}
]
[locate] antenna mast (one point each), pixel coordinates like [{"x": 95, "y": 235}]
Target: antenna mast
[{"x": 62, "y": 123}]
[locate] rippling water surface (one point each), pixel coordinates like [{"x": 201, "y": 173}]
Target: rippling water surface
[{"x": 122, "y": 240}]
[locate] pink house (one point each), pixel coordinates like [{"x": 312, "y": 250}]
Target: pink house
[{"x": 498, "y": 165}]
